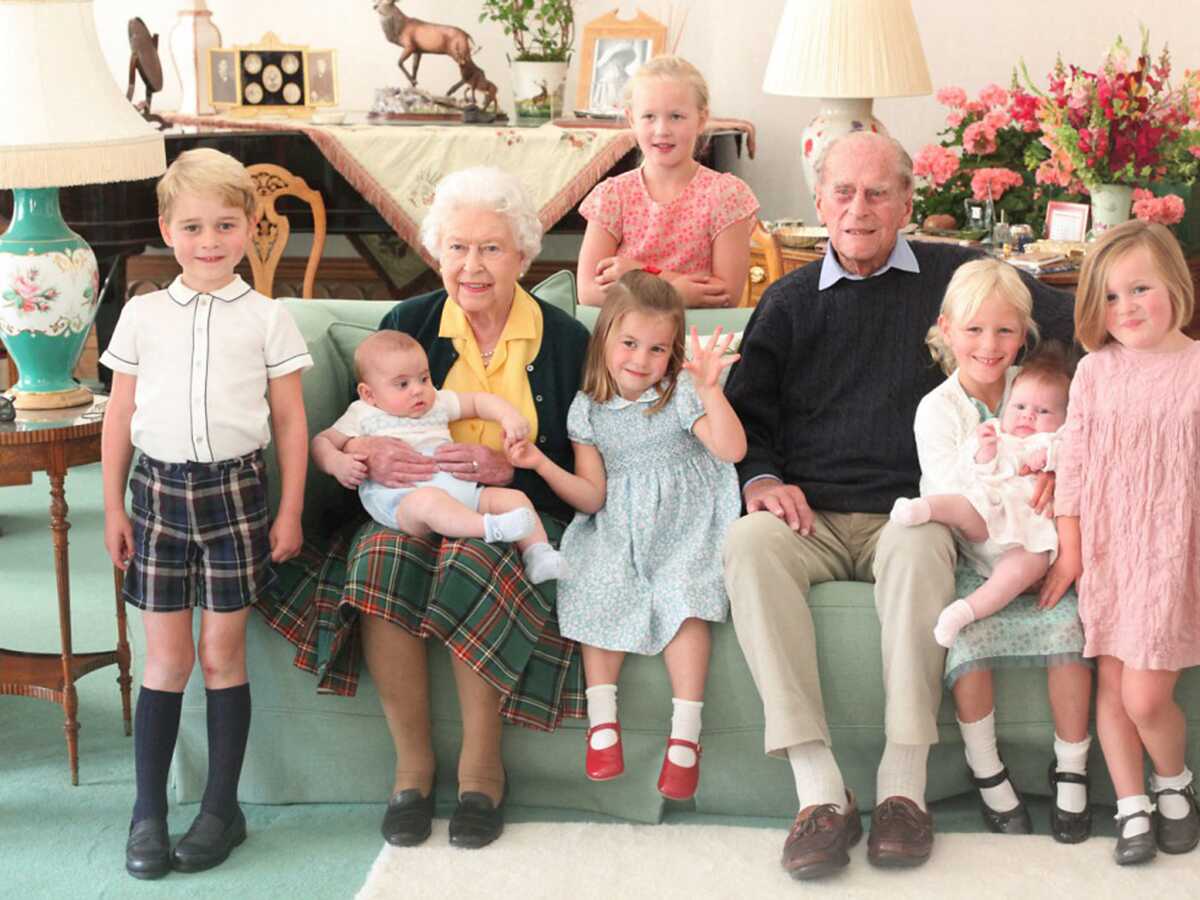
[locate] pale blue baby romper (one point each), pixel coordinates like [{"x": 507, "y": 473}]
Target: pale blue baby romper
[{"x": 651, "y": 557}]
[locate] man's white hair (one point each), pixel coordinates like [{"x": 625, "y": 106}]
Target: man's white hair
[{"x": 904, "y": 163}]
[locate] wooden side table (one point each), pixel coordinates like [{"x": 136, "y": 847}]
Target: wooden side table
[{"x": 53, "y": 441}]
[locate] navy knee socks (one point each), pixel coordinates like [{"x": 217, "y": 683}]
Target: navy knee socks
[
  {"x": 155, "y": 728},
  {"x": 228, "y": 731}
]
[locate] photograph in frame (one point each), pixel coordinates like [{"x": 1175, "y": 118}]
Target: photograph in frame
[
  {"x": 320, "y": 69},
  {"x": 611, "y": 51},
  {"x": 1066, "y": 221},
  {"x": 223, "y": 77}
]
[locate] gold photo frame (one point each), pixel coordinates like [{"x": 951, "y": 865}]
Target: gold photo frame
[
  {"x": 271, "y": 78},
  {"x": 611, "y": 51}
]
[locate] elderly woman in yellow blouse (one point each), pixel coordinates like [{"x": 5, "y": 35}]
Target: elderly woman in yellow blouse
[{"x": 483, "y": 332}]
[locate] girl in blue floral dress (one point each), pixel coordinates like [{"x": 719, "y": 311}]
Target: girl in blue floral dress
[{"x": 655, "y": 442}]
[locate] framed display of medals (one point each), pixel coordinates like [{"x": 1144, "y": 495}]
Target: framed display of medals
[{"x": 271, "y": 78}]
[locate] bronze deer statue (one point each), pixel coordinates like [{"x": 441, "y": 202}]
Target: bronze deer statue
[
  {"x": 416, "y": 37},
  {"x": 472, "y": 76}
]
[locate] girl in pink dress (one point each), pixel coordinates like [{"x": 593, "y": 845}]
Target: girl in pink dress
[
  {"x": 671, "y": 216},
  {"x": 1128, "y": 506}
]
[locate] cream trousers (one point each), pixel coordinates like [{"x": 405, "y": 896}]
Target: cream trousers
[{"x": 768, "y": 572}]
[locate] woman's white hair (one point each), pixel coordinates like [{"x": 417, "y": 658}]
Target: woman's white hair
[{"x": 484, "y": 187}]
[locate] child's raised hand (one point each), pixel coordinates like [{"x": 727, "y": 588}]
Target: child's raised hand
[
  {"x": 350, "y": 469},
  {"x": 522, "y": 453},
  {"x": 709, "y": 361},
  {"x": 515, "y": 426}
]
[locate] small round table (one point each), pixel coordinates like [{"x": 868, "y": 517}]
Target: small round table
[{"x": 53, "y": 441}]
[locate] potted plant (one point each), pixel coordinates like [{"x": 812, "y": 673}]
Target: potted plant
[{"x": 543, "y": 32}]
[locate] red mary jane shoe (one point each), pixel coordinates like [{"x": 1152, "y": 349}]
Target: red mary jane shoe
[
  {"x": 679, "y": 782},
  {"x": 608, "y": 763}
]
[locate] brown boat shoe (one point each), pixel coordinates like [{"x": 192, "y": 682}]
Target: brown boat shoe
[
  {"x": 819, "y": 839},
  {"x": 901, "y": 834}
]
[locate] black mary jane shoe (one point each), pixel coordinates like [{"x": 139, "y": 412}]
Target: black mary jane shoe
[
  {"x": 148, "y": 850},
  {"x": 477, "y": 821},
  {"x": 1139, "y": 848},
  {"x": 1068, "y": 827},
  {"x": 1013, "y": 821},
  {"x": 208, "y": 842},
  {"x": 409, "y": 818},
  {"x": 1178, "y": 835}
]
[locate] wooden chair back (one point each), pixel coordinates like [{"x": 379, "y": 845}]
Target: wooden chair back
[
  {"x": 270, "y": 236},
  {"x": 765, "y": 246}
]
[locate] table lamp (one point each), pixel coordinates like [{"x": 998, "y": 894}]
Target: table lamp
[
  {"x": 846, "y": 52},
  {"x": 66, "y": 123}
]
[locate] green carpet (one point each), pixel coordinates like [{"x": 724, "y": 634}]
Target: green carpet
[{"x": 57, "y": 840}]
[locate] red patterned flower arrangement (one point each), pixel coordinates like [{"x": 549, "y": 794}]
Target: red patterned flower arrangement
[
  {"x": 989, "y": 149},
  {"x": 1121, "y": 124}
]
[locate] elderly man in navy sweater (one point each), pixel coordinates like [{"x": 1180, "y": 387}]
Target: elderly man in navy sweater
[{"x": 833, "y": 366}]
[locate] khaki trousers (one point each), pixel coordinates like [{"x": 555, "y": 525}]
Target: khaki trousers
[{"x": 768, "y": 572}]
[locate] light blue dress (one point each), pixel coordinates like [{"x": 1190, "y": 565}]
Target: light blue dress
[{"x": 651, "y": 557}]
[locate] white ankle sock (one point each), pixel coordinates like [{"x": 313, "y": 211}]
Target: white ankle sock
[
  {"x": 1071, "y": 757},
  {"x": 911, "y": 512},
  {"x": 510, "y": 526},
  {"x": 685, "y": 726},
  {"x": 983, "y": 757},
  {"x": 602, "y": 709},
  {"x": 1129, "y": 805},
  {"x": 902, "y": 772},
  {"x": 1172, "y": 806},
  {"x": 818, "y": 778},
  {"x": 543, "y": 563},
  {"x": 954, "y": 618}
]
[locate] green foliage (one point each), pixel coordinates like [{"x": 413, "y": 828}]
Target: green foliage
[{"x": 541, "y": 30}]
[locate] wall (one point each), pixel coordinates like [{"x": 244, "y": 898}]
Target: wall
[{"x": 965, "y": 44}]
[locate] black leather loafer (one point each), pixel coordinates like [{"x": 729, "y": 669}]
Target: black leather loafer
[
  {"x": 476, "y": 821},
  {"x": 1137, "y": 849},
  {"x": 208, "y": 842},
  {"x": 1068, "y": 827},
  {"x": 1013, "y": 821},
  {"x": 409, "y": 818},
  {"x": 1178, "y": 835},
  {"x": 148, "y": 850}
]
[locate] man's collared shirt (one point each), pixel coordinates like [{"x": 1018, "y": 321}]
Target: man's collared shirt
[
  {"x": 202, "y": 362},
  {"x": 901, "y": 257}
]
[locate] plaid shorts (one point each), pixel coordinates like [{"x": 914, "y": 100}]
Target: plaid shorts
[{"x": 201, "y": 535}]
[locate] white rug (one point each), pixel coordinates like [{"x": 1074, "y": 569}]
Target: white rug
[{"x": 582, "y": 861}]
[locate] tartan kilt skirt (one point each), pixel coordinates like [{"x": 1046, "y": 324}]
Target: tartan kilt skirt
[{"x": 470, "y": 595}]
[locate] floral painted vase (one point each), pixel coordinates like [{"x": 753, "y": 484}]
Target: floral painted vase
[{"x": 49, "y": 293}]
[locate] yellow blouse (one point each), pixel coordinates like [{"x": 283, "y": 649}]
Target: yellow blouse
[{"x": 506, "y": 375}]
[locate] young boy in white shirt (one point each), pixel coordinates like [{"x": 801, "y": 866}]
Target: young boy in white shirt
[
  {"x": 397, "y": 399},
  {"x": 202, "y": 373}
]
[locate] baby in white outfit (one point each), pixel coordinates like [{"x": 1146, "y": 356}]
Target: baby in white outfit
[
  {"x": 999, "y": 532},
  {"x": 398, "y": 399}
]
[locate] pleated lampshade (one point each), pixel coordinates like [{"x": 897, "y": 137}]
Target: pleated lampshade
[
  {"x": 66, "y": 122},
  {"x": 847, "y": 48}
]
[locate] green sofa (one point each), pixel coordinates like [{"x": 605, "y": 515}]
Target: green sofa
[{"x": 310, "y": 748}]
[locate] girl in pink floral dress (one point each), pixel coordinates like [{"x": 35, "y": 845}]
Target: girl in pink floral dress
[
  {"x": 672, "y": 216},
  {"x": 1128, "y": 506}
]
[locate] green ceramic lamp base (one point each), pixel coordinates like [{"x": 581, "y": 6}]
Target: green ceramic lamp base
[{"x": 49, "y": 291}]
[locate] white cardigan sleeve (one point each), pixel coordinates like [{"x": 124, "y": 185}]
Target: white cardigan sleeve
[{"x": 943, "y": 428}]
